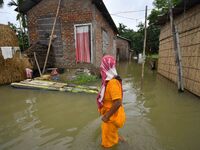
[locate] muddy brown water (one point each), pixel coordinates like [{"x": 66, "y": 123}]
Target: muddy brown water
[{"x": 158, "y": 118}]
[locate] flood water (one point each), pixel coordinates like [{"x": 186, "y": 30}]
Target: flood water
[{"x": 158, "y": 117}]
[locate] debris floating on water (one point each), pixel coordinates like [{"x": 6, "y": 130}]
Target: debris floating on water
[{"x": 54, "y": 86}]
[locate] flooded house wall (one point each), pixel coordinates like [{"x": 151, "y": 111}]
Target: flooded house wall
[
  {"x": 72, "y": 13},
  {"x": 123, "y": 47},
  {"x": 188, "y": 24},
  {"x": 105, "y": 37}
]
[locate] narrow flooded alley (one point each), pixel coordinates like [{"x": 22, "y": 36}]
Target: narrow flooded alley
[{"x": 158, "y": 118}]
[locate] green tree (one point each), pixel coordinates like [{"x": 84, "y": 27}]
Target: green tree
[
  {"x": 136, "y": 37},
  {"x": 22, "y": 37},
  {"x": 20, "y": 16},
  {"x": 21, "y": 32},
  {"x": 153, "y": 30},
  {"x": 163, "y": 6},
  {"x": 122, "y": 28},
  {"x": 1, "y": 3}
]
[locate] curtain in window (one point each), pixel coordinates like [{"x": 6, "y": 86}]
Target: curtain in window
[{"x": 83, "y": 44}]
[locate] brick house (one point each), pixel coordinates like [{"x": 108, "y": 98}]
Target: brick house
[
  {"x": 84, "y": 30},
  {"x": 123, "y": 48}
]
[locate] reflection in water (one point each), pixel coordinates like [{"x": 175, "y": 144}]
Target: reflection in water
[
  {"x": 158, "y": 118},
  {"x": 32, "y": 134},
  {"x": 42, "y": 123}
]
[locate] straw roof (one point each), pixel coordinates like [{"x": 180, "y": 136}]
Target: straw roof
[{"x": 7, "y": 36}]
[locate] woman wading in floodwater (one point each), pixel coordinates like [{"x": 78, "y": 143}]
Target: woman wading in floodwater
[{"x": 109, "y": 102}]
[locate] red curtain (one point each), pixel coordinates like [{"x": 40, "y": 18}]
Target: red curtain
[{"x": 83, "y": 44}]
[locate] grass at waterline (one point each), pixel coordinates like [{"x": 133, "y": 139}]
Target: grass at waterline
[
  {"x": 153, "y": 57},
  {"x": 79, "y": 79},
  {"x": 84, "y": 78}
]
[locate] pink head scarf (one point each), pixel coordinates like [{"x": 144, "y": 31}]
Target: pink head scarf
[{"x": 108, "y": 72}]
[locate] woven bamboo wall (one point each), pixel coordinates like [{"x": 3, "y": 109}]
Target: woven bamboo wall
[{"x": 189, "y": 31}]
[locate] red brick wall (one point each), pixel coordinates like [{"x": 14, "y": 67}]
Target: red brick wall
[
  {"x": 102, "y": 24},
  {"x": 123, "y": 47},
  {"x": 72, "y": 12}
]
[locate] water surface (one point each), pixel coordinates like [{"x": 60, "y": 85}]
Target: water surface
[{"x": 158, "y": 117}]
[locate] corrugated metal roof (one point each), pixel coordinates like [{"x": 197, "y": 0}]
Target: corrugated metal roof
[
  {"x": 28, "y": 4},
  {"x": 121, "y": 37}
]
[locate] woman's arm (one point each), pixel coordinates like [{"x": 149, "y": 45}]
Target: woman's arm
[{"x": 116, "y": 104}]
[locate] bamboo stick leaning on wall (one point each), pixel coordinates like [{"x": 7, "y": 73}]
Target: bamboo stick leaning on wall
[
  {"x": 176, "y": 49},
  {"x": 51, "y": 36},
  {"x": 37, "y": 64}
]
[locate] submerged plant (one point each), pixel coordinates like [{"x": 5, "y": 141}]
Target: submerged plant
[{"x": 84, "y": 78}]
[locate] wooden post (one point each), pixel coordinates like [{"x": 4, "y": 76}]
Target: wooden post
[
  {"x": 51, "y": 36},
  {"x": 37, "y": 64},
  {"x": 176, "y": 49},
  {"x": 179, "y": 62},
  {"x": 144, "y": 47}
]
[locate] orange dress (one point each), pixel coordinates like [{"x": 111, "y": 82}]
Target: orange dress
[{"x": 110, "y": 135}]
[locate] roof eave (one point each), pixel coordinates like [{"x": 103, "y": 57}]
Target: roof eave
[
  {"x": 27, "y": 5},
  {"x": 101, "y": 6},
  {"x": 121, "y": 37}
]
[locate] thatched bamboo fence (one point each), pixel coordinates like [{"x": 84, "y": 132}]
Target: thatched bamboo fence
[{"x": 189, "y": 30}]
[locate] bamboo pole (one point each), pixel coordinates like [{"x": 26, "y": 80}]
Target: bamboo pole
[
  {"x": 180, "y": 69},
  {"x": 20, "y": 26},
  {"x": 37, "y": 64},
  {"x": 144, "y": 47},
  {"x": 51, "y": 36},
  {"x": 176, "y": 49}
]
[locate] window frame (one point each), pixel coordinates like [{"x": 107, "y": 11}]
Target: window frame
[{"x": 91, "y": 39}]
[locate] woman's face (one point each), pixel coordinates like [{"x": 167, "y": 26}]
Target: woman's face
[{"x": 107, "y": 63}]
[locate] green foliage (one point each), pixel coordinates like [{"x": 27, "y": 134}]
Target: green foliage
[
  {"x": 12, "y": 3},
  {"x": 20, "y": 16},
  {"x": 21, "y": 33},
  {"x": 1, "y": 3},
  {"x": 84, "y": 78},
  {"x": 152, "y": 57},
  {"x": 153, "y": 33},
  {"x": 22, "y": 36},
  {"x": 163, "y": 6},
  {"x": 135, "y": 37},
  {"x": 153, "y": 17},
  {"x": 153, "y": 30}
]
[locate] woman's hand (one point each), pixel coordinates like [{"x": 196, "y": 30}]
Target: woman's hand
[
  {"x": 116, "y": 104},
  {"x": 105, "y": 118}
]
